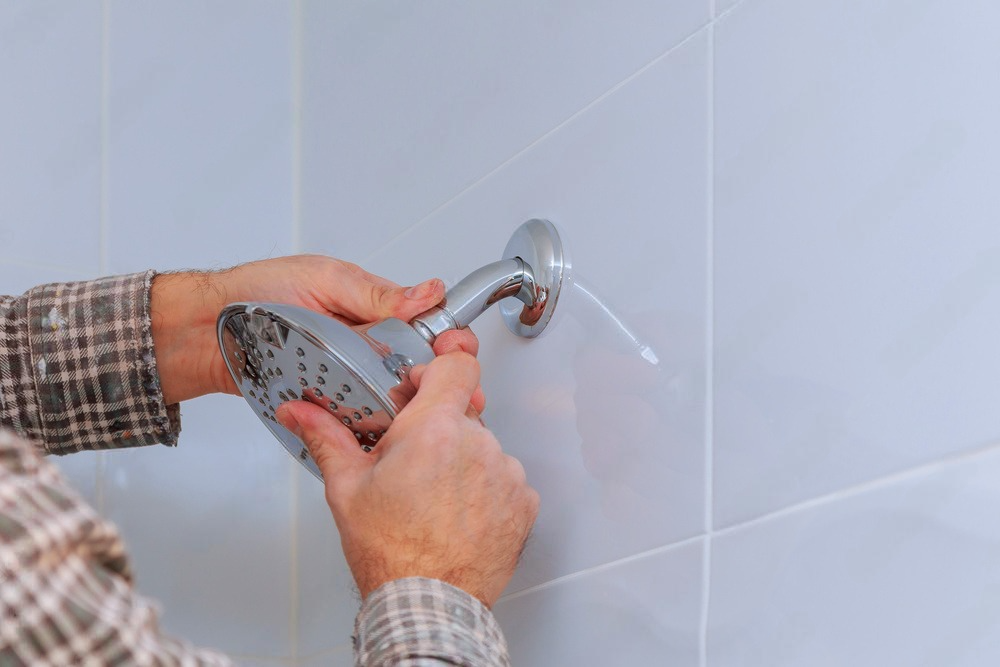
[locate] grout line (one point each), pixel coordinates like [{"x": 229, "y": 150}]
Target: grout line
[
  {"x": 294, "y": 582},
  {"x": 103, "y": 231},
  {"x": 706, "y": 597},
  {"x": 296, "y": 241},
  {"x": 730, "y": 10},
  {"x": 100, "y": 464},
  {"x": 923, "y": 470},
  {"x": 709, "y": 354},
  {"x": 603, "y": 567},
  {"x": 545, "y": 135},
  {"x": 296, "y": 109},
  {"x": 830, "y": 498}
]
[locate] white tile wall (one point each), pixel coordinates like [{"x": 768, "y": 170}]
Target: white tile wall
[
  {"x": 614, "y": 444},
  {"x": 209, "y": 527},
  {"x": 50, "y": 69},
  {"x": 406, "y": 104},
  {"x": 905, "y": 574},
  {"x": 327, "y": 598},
  {"x": 857, "y": 284},
  {"x": 792, "y": 206},
  {"x": 199, "y": 139},
  {"x": 725, "y": 5},
  {"x": 643, "y": 612}
]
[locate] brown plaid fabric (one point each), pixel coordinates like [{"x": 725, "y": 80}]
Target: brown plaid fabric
[
  {"x": 420, "y": 621},
  {"x": 77, "y": 371}
]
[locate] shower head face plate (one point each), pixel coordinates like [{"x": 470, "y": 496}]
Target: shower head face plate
[{"x": 278, "y": 353}]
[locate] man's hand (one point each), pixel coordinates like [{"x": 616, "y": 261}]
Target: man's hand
[
  {"x": 437, "y": 498},
  {"x": 185, "y": 306}
]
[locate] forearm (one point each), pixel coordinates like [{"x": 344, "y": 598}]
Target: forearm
[
  {"x": 78, "y": 369},
  {"x": 417, "y": 621}
]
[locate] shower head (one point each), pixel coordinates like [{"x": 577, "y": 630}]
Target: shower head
[{"x": 360, "y": 374}]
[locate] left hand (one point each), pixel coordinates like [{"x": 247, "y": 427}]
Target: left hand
[{"x": 184, "y": 308}]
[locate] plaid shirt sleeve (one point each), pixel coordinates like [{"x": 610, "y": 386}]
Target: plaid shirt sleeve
[
  {"x": 417, "y": 621},
  {"x": 66, "y": 593},
  {"x": 77, "y": 369}
]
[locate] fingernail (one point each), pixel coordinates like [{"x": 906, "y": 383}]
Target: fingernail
[{"x": 421, "y": 290}]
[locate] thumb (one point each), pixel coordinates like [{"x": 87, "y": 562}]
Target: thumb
[
  {"x": 332, "y": 445},
  {"x": 366, "y": 299}
]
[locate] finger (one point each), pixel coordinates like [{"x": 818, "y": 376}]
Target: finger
[
  {"x": 332, "y": 446},
  {"x": 365, "y": 275},
  {"x": 477, "y": 402},
  {"x": 448, "y": 383},
  {"x": 363, "y": 297},
  {"x": 460, "y": 339}
]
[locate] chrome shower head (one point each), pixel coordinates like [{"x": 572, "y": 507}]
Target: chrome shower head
[{"x": 360, "y": 374}]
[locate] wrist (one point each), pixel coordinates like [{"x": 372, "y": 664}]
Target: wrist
[{"x": 183, "y": 310}]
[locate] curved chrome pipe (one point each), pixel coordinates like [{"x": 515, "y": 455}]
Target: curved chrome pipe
[{"x": 474, "y": 294}]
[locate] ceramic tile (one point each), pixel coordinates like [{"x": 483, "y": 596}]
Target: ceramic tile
[
  {"x": 50, "y": 65},
  {"x": 724, "y": 5},
  {"x": 904, "y": 575},
  {"x": 613, "y": 442},
  {"x": 643, "y": 612},
  {"x": 209, "y": 528},
  {"x": 404, "y": 104},
  {"x": 342, "y": 657},
  {"x": 857, "y": 288},
  {"x": 199, "y": 134},
  {"x": 328, "y": 600}
]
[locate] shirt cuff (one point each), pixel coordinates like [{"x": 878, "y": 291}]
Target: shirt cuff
[
  {"x": 94, "y": 369},
  {"x": 417, "y": 621}
]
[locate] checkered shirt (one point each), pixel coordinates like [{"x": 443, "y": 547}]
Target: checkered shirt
[{"x": 77, "y": 371}]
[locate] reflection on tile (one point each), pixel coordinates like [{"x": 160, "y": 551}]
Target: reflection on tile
[
  {"x": 328, "y": 599},
  {"x": 857, "y": 278},
  {"x": 407, "y": 104},
  {"x": 613, "y": 443},
  {"x": 643, "y": 612},
  {"x": 50, "y": 65},
  {"x": 902, "y": 575},
  {"x": 200, "y": 134},
  {"x": 208, "y": 526}
]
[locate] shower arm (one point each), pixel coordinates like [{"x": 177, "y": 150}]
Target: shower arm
[{"x": 475, "y": 293}]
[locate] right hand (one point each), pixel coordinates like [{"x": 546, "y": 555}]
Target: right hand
[{"x": 437, "y": 498}]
